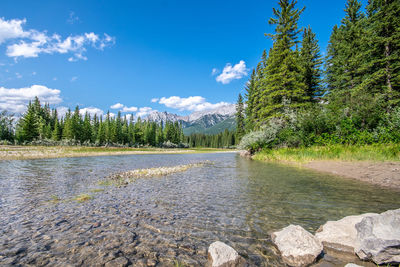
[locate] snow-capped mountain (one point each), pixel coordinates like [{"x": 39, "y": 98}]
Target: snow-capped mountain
[{"x": 198, "y": 121}]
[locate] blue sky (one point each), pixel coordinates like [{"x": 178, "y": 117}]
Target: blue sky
[{"x": 97, "y": 54}]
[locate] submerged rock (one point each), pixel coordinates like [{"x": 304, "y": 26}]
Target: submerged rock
[
  {"x": 379, "y": 238},
  {"x": 297, "y": 246},
  {"x": 222, "y": 255},
  {"x": 352, "y": 265},
  {"x": 245, "y": 154},
  {"x": 340, "y": 235}
]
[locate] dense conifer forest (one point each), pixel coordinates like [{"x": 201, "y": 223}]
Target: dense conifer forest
[
  {"x": 41, "y": 125},
  {"x": 297, "y": 98}
]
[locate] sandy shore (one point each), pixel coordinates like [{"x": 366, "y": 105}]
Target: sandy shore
[
  {"x": 384, "y": 174},
  {"x": 39, "y": 152}
]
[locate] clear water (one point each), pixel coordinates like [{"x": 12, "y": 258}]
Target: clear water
[{"x": 235, "y": 200}]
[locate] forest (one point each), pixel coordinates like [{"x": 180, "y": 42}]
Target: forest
[
  {"x": 41, "y": 125},
  {"x": 296, "y": 97}
]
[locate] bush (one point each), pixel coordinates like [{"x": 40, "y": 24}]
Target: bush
[{"x": 169, "y": 144}]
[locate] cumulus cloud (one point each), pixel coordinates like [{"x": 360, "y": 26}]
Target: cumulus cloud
[
  {"x": 15, "y": 99},
  {"x": 230, "y": 73},
  {"x": 214, "y": 71},
  {"x": 91, "y": 111},
  {"x": 31, "y": 43},
  {"x": 11, "y": 29},
  {"x": 144, "y": 111},
  {"x": 129, "y": 109},
  {"x": 61, "y": 111},
  {"x": 117, "y": 106},
  {"x": 191, "y": 103},
  {"x": 154, "y": 100}
]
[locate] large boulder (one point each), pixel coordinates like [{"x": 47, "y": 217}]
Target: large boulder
[
  {"x": 297, "y": 246},
  {"x": 378, "y": 238},
  {"x": 222, "y": 255},
  {"x": 340, "y": 235}
]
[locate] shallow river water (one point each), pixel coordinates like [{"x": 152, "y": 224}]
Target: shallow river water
[{"x": 165, "y": 221}]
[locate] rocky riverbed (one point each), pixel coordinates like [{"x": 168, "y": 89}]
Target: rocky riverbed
[{"x": 163, "y": 221}]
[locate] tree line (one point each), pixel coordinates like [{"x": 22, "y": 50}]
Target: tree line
[
  {"x": 296, "y": 97},
  {"x": 42, "y": 123}
]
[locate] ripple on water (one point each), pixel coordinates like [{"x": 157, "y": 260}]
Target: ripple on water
[{"x": 165, "y": 220}]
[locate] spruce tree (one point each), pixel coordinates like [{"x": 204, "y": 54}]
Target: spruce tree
[
  {"x": 311, "y": 64},
  {"x": 283, "y": 73},
  {"x": 344, "y": 50},
  {"x": 381, "y": 59},
  {"x": 250, "y": 96},
  {"x": 240, "y": 130},
  {"x": 29, "y": 128}
]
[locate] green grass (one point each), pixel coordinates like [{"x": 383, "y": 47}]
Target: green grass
[
  {"x": 378, "y": 152},
  {"x": 83, "y": 197},
  {"x": 97, "y": 190}
]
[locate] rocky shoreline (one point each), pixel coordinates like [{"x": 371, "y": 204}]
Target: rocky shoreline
[{"x": 373, "y": 238}]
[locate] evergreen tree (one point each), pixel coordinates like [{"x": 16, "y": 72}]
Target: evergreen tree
[
  {"x": 101, "y": 133},
  {"x": 381, "y": 59},
  {"x": 56, "y": 134},
  {"x": 28, "y": 124},
  {"x": 86, "y": 134},
  {"x": 250, "y": 95},
  {"x": 344, "y": 52},
  {"x": 311, "y": 64},
  {"x": 283, "y": 73},
  {"x": 240, "y": 130}
]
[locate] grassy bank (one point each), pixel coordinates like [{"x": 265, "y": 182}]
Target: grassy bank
[
  {"x": 37, "y": 152},
  {"x": 379, "y": 152}
]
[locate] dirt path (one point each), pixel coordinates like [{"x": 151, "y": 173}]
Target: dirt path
[{"x": 385, "y": 174}]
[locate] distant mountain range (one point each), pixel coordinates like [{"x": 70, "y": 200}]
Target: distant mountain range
[{"x": 207, "y": 122}]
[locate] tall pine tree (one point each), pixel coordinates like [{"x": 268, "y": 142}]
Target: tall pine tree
[
  {"x": 311, "y": 64},
  {"x": 283, "y": 78}
]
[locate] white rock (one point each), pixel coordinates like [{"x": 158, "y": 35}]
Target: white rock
[
  {"x": 340, "y": 235},
  {"x": 222, "y": 255},
  {"x": 297, "y": 246},
  {"x": 378, "y": 238}
]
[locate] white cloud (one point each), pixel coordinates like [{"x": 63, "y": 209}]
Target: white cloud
[
  {"x": 129, "y": 109},
  {"x": 61, "y": 111},
  {"x": 154, "y": 100},
  {"x": 91, "y": 111},
  {"x": 72, "y": 18},
  {"x": 11, "y": 29},
  {"x": 19, "y": 76},
  {"x": 16, "y": 99},
  {"x": 31, "y": 43},
  {"x": 144, "y": 111},
  {"x": 73, "y": 79},
  {"x": 117, "y": 106},
  {"x": 191, "y": 103},
  {"x": 214, "y": 71},
  {"x": 230, "y": 73}
]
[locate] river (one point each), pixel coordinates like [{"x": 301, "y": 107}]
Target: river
[{"x": 165, "y": 221}]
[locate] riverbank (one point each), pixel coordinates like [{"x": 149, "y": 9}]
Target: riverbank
[
  {"x": 374, "y": 164},
  {"x": 40, "y": 152}
]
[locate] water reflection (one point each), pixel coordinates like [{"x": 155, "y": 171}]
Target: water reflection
[{"x": 234, "y": 200}]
